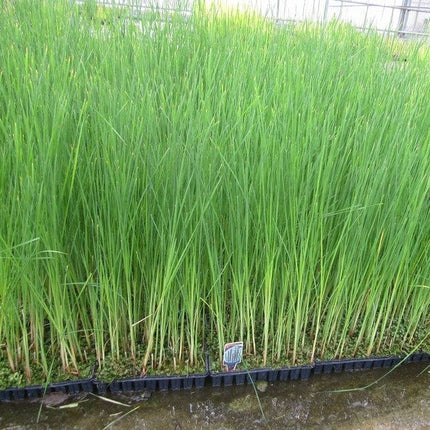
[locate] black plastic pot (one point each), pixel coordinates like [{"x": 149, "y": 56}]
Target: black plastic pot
[
  {"x": 418, "y": 357},
  {"x": 266, "y": 374},
  {"x": 153, "y": 383},
  {"x": 337, "y": 366},
  {"x": 36, "y": 391},
  {"x": 72, "y": 387},
  {"x": 295, "y": 373}
]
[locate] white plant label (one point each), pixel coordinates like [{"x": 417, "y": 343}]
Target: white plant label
[{"x": 232, "y": 355}]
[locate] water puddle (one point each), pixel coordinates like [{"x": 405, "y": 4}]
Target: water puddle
[{"x": 399, "y": 401}]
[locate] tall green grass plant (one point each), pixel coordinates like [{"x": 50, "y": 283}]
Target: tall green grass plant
[{"x": 167, "y": 181}]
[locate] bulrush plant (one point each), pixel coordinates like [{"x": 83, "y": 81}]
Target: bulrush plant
[{"x": 169, "y": 181}]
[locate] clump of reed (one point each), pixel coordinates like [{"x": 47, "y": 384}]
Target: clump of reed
[{"x": 167, "y": 181}]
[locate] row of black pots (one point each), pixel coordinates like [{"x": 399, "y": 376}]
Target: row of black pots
[{"x": 215, "y": 379}]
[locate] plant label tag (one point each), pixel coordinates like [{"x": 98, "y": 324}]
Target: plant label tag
[{"x": 232, "y": 355}]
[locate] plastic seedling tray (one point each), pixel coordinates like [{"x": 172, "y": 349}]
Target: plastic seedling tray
[{"x": 216, "y": 379}]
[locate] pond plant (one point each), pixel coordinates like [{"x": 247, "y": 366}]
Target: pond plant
[{"x": 169, "y": 181}]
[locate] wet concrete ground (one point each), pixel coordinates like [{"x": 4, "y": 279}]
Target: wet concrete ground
[{"x": 399, "y": 401}]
